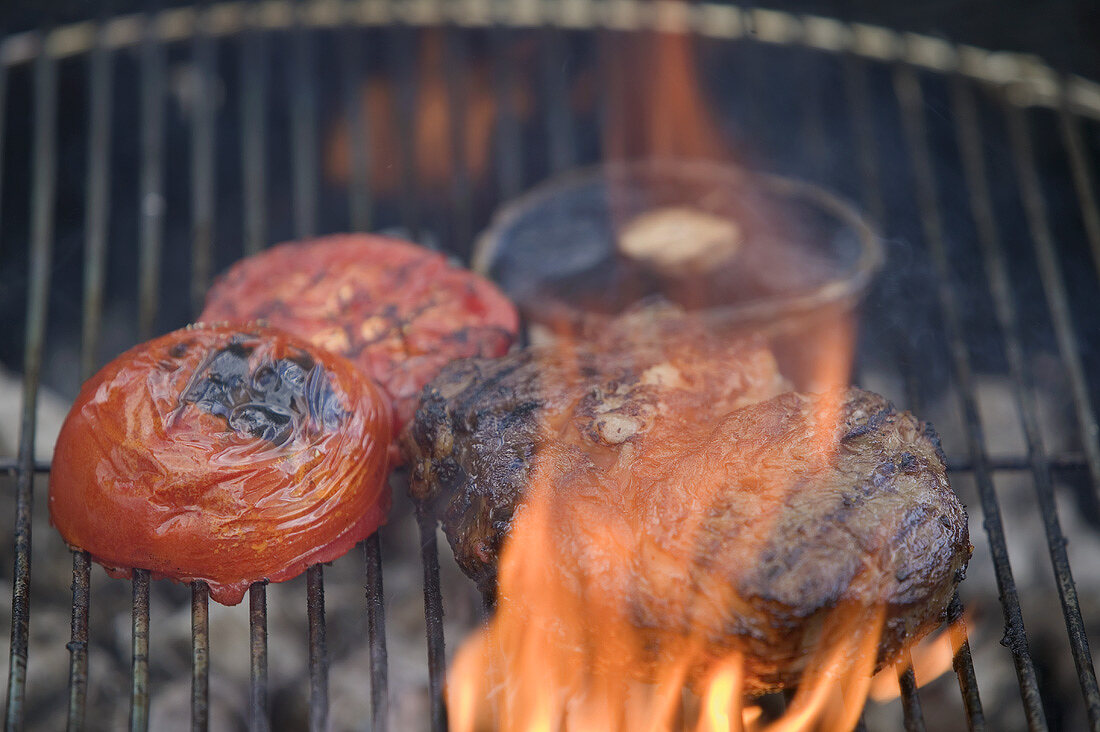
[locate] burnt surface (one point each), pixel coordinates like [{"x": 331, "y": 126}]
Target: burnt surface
[
  {"x": 269, "y": 401},
  {"x": 753, "y": 515}
]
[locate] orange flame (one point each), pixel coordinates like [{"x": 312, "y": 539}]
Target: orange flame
[
  {"x": 540, "y": 665},
  {"x": 435, "y": 131},
  {"x": 568, "y": 650},
  {"x": 564, "y": 652},
  {"x": 932, "y": 658},
  {"x": 656, "y": 106},
  {"x": 721, "y": 700}
]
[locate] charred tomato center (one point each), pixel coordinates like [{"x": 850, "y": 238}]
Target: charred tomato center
[{"x": 271, "y": 400}]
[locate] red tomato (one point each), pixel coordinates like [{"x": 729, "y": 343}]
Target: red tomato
[
  {"x": 222, "y": 454},
  {"x": 399, "y": 311}
]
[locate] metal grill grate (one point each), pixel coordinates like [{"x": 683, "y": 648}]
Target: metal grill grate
[{"x": 973, "y": 104}]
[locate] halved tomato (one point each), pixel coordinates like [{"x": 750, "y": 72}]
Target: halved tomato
[
  {"x": 223, "y": 454},
  {"x": 398, "y": 310}
]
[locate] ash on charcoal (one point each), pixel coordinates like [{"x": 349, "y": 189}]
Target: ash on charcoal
[{"x": 50, "y": 415}]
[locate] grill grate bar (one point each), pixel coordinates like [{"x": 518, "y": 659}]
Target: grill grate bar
[
  {"x": 963, "y": 663},
  {"x": 202, "y": 168},
  {"x": 3, "y": 117},
  {"x": 202, "y": 216},
  {"x": 253, "y": 136},
  {"x": 359, "y": 198},
  {"x": 1067, "y": 462},
  {"x": 318, "y": 656},
  {"x": 910, "y": 99},
  {"x": 403, "y": 68},
  {"x": 1086, "y": 197},
  {"x": 855, "y": 81},
  {"x": 97, "y": 192},
  {"x": 200, "y": 656},
  {"x": 910, "y": 701},
  {"x": 509, "y": 151},
  {"x": 78, "y": 645},
  {"x": 855, "y": 91},
  {"x": 139, "y": 674},
  {"x": 376, "y": 634},
  {"x": 714, "y": 20},
  {"x": 457, "y": 88},
  {"x": 1054, "y": 288},
  {"x": 258, "y": 715},
  {"x": 561, "y": 135},
  {"x": 42, "y": 208},
  {"x": 151, "y": 204},
  {"x": 12, "y": 466},
  {"x": 813, "y": 121},
  {"x": 303, "y": 124},
  {"x": 433, "y": 617},
  {"x": 607, "y": 44}
]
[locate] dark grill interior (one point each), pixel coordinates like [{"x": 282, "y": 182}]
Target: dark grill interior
[{"x": 142, "y": 155}]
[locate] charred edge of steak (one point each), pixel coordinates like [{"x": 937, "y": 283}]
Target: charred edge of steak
[
  {"x": 471, "y": 445},
  {"x": 930, "y": 545}
]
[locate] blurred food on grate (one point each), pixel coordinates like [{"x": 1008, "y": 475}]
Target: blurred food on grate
[
  {"x": 223, "y": 455},
  {"x": 743, "y": 251},
  {"x": 397, "y": 310},
  {"x": 740, "y": 247},
  {"x": 681, "y": 241}
]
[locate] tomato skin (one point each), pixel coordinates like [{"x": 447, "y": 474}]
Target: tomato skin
[
  {"x": 148, "y": 473},
  {"x": 399, "y": 311}
]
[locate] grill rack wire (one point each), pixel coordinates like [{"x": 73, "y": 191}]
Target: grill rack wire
[{"x": 1017, "y": 83}]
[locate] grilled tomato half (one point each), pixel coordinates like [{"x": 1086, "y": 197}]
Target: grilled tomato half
[
  {"x": 224, "y": 454},
  {"x": 398, "y": 310}
]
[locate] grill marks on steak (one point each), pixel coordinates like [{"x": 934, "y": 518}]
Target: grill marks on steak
[
  {"x": 698, "y": 497},
  {"x": 482, "y": 422}
]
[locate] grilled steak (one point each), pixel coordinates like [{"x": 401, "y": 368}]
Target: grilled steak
[
  {"x": 696, "y": 493},
  {"x": 481, "y": 421}
]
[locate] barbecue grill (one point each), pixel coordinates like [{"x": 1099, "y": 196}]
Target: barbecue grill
[{"x": 978, "y": 167}]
